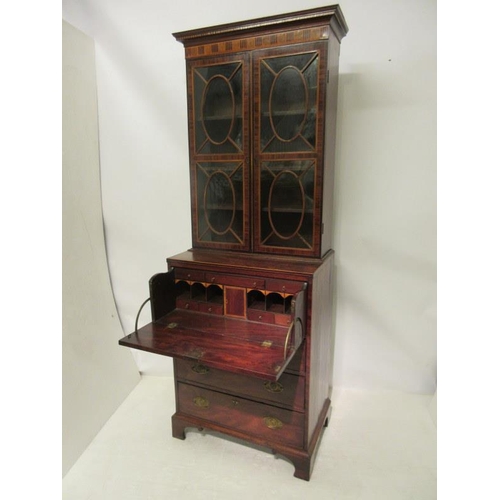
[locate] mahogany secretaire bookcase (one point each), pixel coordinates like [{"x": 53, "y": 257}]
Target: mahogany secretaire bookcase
[{"x": 247, "y": 312}]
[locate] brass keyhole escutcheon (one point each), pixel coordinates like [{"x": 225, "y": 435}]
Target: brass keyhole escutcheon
[
  {"x": 273, "y": 423},
  {"x": 274, "y": 387},
  {"x": 201, "y": 402}
]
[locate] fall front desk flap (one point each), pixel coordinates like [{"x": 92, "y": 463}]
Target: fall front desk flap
[{"x": 245, "y": 339}]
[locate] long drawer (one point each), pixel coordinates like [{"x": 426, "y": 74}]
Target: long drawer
[
  {"x": 287, "y": 392},
  {"x": 258, "y": 419}
]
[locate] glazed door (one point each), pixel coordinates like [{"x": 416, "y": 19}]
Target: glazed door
[
  {"x": 219, "y": 144},
  {"x": 289, "y": 91}
]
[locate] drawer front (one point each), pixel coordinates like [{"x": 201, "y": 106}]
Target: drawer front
[
  {"x": 287, "y": 392},
  {"x": 240, "y": 281},
  {"x": 256, "y": 315},
  {"x": 282, "y": 319},
  {"x": 191, "y": 305},
  {"x": 257, "y": 419},
  {"x": 284, "y": 286},
  {"x": 210, "y": 308},
  {"x": 189, "y": 274}
]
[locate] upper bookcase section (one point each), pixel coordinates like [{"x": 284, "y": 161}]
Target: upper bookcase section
[
  {"x": 261, "y": 121},
  {"x": 286, "y": 29}
]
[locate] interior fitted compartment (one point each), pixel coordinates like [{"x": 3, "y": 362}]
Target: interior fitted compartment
[{"x": 214, "y": 324}]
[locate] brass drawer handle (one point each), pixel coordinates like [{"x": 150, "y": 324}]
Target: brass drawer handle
[
  {"x": 201, "y": 402},
  {"x": 274, "y": 387},
  {"x": 273, "y": 423},
  {"x": 200, "y": 369}
]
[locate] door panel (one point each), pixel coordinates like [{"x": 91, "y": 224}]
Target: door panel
[
  {"x": 219, "y": 145},
  {"x": 288, "y": 138}
]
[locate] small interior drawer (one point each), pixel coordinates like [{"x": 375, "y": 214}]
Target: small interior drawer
[
  {"x": 258, "y": 419},
  {"x": 256, "y": 315},
  {"x": 284, "y": 286},
  {"x": 187, "y": 304},
  {"x": 189, "y": 274},
  {"x": 240, "y": 281},
  {"x": 208, "y": 307}
]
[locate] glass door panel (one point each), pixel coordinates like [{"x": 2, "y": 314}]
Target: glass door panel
[
  {"x": 219, "y": 147},
  {"x": 289, "y": 89},
  {"x": 220, "y": 202},
  {"x": 218, "y": 113},
  {"x": 287, "y": 204}
]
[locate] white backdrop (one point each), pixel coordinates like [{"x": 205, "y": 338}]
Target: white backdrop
[
  {"x": 96, "y": 376},
  {"x": 385, "y": 220}
]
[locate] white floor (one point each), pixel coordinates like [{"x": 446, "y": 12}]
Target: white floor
[{"x": 378, "y": 446}]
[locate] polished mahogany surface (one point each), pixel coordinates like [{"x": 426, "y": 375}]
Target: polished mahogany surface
[
  {"x": 275, "y": 424},
  {"x": 247, "y": 313},
  {"x": 245, "y": 263},
  {"x": 235, "y": 345},
  {"x": 288, "y": 393}
]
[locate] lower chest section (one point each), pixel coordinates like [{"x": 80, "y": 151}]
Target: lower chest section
[{"x": 272, "y": 411}]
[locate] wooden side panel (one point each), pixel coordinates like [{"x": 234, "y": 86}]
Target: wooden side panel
[
  {"x": 330, "y": 143},
  {"x": 321, "y": 345}
]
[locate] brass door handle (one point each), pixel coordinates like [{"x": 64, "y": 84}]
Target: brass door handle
[
  {"x": 273, "y": 423},
  {"x": 200, "y": 369},
  {"x": 201, "y": 402},
  {"x": 274, "y": 387}
]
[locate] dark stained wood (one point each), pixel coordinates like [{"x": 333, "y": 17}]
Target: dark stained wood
[
  {"x": 264, "y": 316},
  {"x": 209, "y": 308},
  {"x": 235, "y": 301},
  {"x": 302, "y": 457},
  {"x": 161, "y": 292},
  {"x": 331, "y": 90},
  {"x": 228, "y": 279},
  {"x": 318, "y": 385},
  {"x": 250, "y": 43},
  {"x": 288, "y": 392},
  {"x": 196, "y": 157},
  {"x": 298, "y": 363},
  {"x": 284, "y": 286},
  {"x": 240, "y": 263},
  {"x": 236, "y": 345},
  {"x": 250, "y": 325},
  {"x": 248, "y": 416},
  {"x": 189, "y": 275},
  {"x": 315, "y": 155},
  {"x": 331, "y": 16}
]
